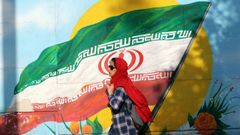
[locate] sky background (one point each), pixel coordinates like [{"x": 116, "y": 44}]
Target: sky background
[{"x": 43, "y": 23}]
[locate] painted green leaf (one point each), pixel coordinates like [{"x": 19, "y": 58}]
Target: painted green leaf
[
  {"x": 222, "y": 125},
  {"x": 89, "y": 122},
  {"x": 98, "y": 126},
  {"x": 190, "y": 120},
  {"x": 93, "y": 125},
  {"x": 219, "y": 132},
  {"x": 66, "y": 125},
  {"x": 80, "y": 127},
  {"x": 50, "y": 129}
]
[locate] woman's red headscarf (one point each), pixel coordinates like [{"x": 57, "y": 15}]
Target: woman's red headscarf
[{"x": 121, "y": 79}]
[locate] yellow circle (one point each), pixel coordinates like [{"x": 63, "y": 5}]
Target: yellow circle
[{"x": 191, "y": 85}]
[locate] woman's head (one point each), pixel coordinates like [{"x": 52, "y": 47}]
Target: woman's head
[
  {"x": 112, "y": 67},
  {"x": 117, "y": 67}
]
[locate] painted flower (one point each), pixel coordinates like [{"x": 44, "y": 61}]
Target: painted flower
[
  {"x": 205, "y": 123},
  {"x": 75, "y": 127},
  {"x": 86, "y": 129},
  {"x": 210, "y": 113}
]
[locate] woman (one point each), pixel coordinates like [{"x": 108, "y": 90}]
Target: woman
[{"x": 124, "y": 98}]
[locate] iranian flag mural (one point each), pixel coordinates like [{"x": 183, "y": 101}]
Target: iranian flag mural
[{"x": 67, "y": 81}]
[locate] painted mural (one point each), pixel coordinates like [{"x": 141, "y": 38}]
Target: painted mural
[{"x": 182, "y": 55}]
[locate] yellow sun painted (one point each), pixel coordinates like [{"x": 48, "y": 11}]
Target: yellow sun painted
[{"x": 191, "y": 85}]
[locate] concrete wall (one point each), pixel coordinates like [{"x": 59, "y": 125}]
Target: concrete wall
[{"x": 204, "y": 97}]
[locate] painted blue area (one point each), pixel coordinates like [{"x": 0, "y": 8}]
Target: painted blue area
[
  {"x": 43, "y": 130},
  {"x": 222, "y": 27},
  {"x": 35, "y": 36},
  {"x": 40, "y": 24},
  {"x": 59, "y": 128},
  {"x": 32, "y": 39}
]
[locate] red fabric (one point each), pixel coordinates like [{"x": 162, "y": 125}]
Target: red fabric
[{"x": 121, "y": 79}]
